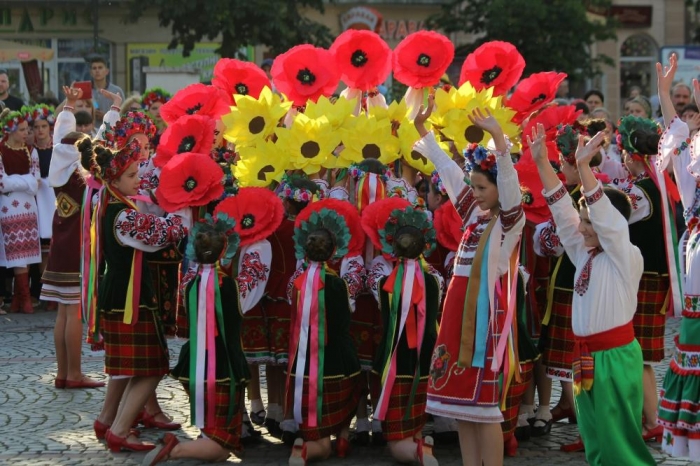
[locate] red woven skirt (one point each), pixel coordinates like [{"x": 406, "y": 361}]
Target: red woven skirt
[
  {"x": 138, "y": 350},
  {"x": 558, "y": 351},
  {"x": 226, "y": 432},
  {"x": 649, "y": 323},
  {"x": 513, "y": 399},
  {"x": 366, "y": 329},
  {"x": 404, "y": 420},
  {"x": 278, "y": 320},
  {"x": 254, "y": 337}
]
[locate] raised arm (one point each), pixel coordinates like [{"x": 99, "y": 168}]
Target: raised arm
[{"x": 664, "y": 77}]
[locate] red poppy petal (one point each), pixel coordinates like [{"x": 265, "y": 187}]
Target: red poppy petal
[
  {"x": 198, "y": 99},
  {"x": 303, "y": 73},
  {"x": 362, "y": 57},
  {"x": 239, "y": 77},
  {"x": 189, "y": 179},
  {"x": 352, "y": 219},
  {"x": 494, "y": 64},
  {"x": 448, "y": 226},
  {"x": 375, "y": 215},
  {"x": 534, "y": 92},
  {"x": 258, "y": 213},
  {"x": 551, "y": 118},
  {"x": 190, "y": 133},
  {"x": 422, "y": 58}
]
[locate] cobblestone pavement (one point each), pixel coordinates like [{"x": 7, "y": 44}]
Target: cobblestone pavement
[{"x": 40, "y": 425}]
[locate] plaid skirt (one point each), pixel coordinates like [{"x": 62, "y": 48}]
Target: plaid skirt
[
  {"x": 340, "y": 398},
  {"x": 138, "y": 350},
  {"x": 226, "y": 432},
  {"x": 403, "y": 420},
  {"x": 513, "y": 399},
  {"x": 366, "y": 329},
  {"x": 649, "y": 323},
  {"x": 558, "y": 349},
  {"x": 278, "y": 319},
  {"x": 254, "y": 337}
]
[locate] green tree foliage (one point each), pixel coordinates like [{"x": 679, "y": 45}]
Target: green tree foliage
[
  {"x": 238, "y": 23},
  {"x": 550, "y": 34}
]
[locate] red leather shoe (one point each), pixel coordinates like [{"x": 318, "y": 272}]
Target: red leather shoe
[
  {"x": 424, "y": 449},
  {"x": 85, "y": 382},
  {"x": 558, "y": 414},
  {"x": 117, "y": 444},
  {"x": 298, "y": 456},
  {"x": 162, "y": 452},
  {"x": 101, "y": 430},
  {"x": 656, "y": 434},
  {"x": 342, "y": 447},
  {"x": 59, "y": 383},
  {"x": 149, "y": 422},
  {"x": 573, "y": 447},
  {"x": 510, "y": 446}
]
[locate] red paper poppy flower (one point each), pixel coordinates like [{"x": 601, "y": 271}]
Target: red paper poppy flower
[
  {"x": 239, "y": 77},
  {"x": 448, "y": 226},
  {"x": 533, "y": 202},
  {"x": 190, "y": 133},
  {"x": 534, "y": 92},
  {"x": 363, "y": 58},
  {"x": 375, "y": 215},
  {"x": 305, "y": 73},
  {"x": 551, "y": 118},
  {"x": 197, "y": 99},
  {"x": 494, "y": 64},
  {"x": 189, "y": 179},
  {"x": 349, "y": 213},
  {"x": 422, "y": 58},
  {"x": 258, "y": 213}
]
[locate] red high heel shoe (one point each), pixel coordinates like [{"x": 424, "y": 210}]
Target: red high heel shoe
[
  {"x": 149, "y": 422},
  {"x": 424, "y": 448},
  {"x": 559, "y": 413},
  {"x": 573, "y": 447},
  {"x": 102, "y": 428},
  {"x": 298, "y": 456},
  {"x": 656, "y": 434},
  {"x": 510, "y": 446},
  {"x": 342, "y": 447},
  {"x": 117, "y": 444}
]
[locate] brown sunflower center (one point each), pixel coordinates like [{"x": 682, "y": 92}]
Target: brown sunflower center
[
  {"x": 358, "y": 58},
  {"x": 415, "y": 155},
  {"x": 186, "y": 144},
  {"x": 488, "y": 76},
  {"x": 194, "y": 109},
  {"x": 538, "y": 98},
  {"x": 262, "y": 173},
  {"x": 241, "y": 88},
  {"x": 474, "y": 134},
  {"x": 371, "y": 151},
  {"x": 423, "y": 60},
  {"x": 310, "y": 149},
  {"x": 306, "y": 77},
  {"x": 256, "y": 125},
  {"x": 248, "y": 221},
  {"x": 190, "y": 184}
]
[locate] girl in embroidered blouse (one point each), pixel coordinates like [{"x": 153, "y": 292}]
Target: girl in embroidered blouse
[{"x": 466, "y": 363}]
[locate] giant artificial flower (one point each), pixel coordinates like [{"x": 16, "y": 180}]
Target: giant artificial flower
[
  {"x": 375, "y": 215},
  {"x": 356, "y": 245},
  {"x": 134, "y": 122},
  {"x": 189, "y": 179},
  {"x": 534, "y": 92},
  {"x": 261, "y": 164},
  {"x": 195, "y": 99},
  {"x": 422, "y": 58},
  {"x": 191, "y": 133},
  {"x": 309, "y": 143},
  {"x": 494, "y": 64},
  {"x": 533, "y": 202},
  {"x": 258, "y": 213},
  {"x": 396, "y": 111},
  {"x": 408, "y": 136},
  {"x": 338, "y": 112},
  {"x": 551, "y": 117},
  {"x": 239, "y": 77},
  {"x": 448, "y": 226},
  {"x": 254, "y": 119},
  {"x": 305, "y": 73},
  {"x": 368, "y": 138},
  {"x": 362, "y": 57}
]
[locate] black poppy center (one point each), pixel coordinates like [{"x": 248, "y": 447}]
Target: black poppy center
[
  {"x": 306, "y": 77},
  {"x": 473, "y": 134},
  {"x": 310, "y": 149},
  {"x": 248, "y": 221},
  {"x": 371, "y": 151},
  {"x": 186, "y": 145},
  {"x": 358, "y": 58},
  {"x": 241, "y": 88},
  {"x": 489, "y": 75},
  {"x": 256, "y": 125},
  {"x": 527, "y": 198},
  {"x": 193, "y": 110},
  {"x": 415, "y": 155},
  {"x": 262, "y": 173},
  {"x": 190, "y": 184},
  {"x": 423, "y": 60},
  {"x": 539, "y": 98}
]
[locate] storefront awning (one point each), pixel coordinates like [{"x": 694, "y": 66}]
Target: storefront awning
[{"x": 10, "y": 51}]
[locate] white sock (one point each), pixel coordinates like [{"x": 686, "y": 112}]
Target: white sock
[
  {"x": 362, "y": 425},
  {"x": 543, "y": 413},
  {"x": 527, "y": 409},
  {"x": 376, "y": 425},
  {"x": 522, "y": 420},
  {"x": 256, "y": 406},
  {"x": 289, "y": 425}
]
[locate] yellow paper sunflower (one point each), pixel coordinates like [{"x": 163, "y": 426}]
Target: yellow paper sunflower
[
  {"x": 337, "y": 112},
  {"x": 368, "y": 138},
  {"x": 309, "y": 142},
  {"x": 260, "y": 165},
  {"x": 254, "y": 120},
  {"x": 396, "y": 112},
  {"x": 408, "y": 136},
  {"x": 453, "y": 107}
]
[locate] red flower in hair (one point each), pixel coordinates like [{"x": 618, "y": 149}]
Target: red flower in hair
[
  {"x": 448, "y": 226},
  {"x": 239, "y": 77},
  {"x": 258, "y": 213},
  {"x": 197, "y": 99},
  {"x": 375, "y": 215},
  {"x": 363, "y": 58},
  {"x": 189, "y": 179},
  {"x": 190, "y": 133},
  {"x": 349, "y": 213},
  {"x": 493, "y": 64},
  {"x": 534, "y": 92},
  {"x": 551, "y": 118},
  {"x": 422, "y": 58},
  {"x": 305, "y": 73}
]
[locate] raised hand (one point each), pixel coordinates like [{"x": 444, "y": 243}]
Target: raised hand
[
  {"x": 73, "y": 94},
  {"x": 584, "y": 153},
  {"x": 115, "y": 98},
  {"x": 423, "y": 115},
  {"x": 696, "y": 90},
  {"x": 665, "y": 74},
  {"x": 537, "y": 144},
  {"x": 485, "y": 120}
]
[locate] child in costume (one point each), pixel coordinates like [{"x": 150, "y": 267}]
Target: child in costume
[
  {"x": 212, "y": 367},
  {"x": 466, "y": 364},
  {"x": 607, "y": 357},
  {"x": 323, "y": 384},
  {"x": 408, "y": 291},
  {"x": 679, "y": 400}
]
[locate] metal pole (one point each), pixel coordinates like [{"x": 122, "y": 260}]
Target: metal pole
[{"x": 95, "y": 23}]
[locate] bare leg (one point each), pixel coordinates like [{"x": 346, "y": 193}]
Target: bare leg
[
  {"x": 135, "y": 396},
  {"x": 469, "y": 443},
  {"x": 202, "y": 449},
  {"x": 404, "y": 450},
  {"x": 651, "y": 398},
  {"x": 491, "y": 441},
  {"x": 73, "y": 341},
  {"x": 567, "y": 395},
  {"x": 59, "y": 340},
  {"x": 154, "y": 409},
  {"x": 544, "y": 385},
  {"x": 273, "y": 381},
  {"x": 318, "y": 449},
  {"x": 115, "y": 390}
]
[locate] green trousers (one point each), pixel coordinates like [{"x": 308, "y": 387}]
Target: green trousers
[{"x": 610, "y": 413}]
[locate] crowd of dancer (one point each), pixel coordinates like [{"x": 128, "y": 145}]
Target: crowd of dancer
[{"x": 446, "y": 255}]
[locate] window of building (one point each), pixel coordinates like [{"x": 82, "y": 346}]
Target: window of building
[{"x": 638, "y": 57}]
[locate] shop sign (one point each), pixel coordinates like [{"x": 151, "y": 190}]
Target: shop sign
[
  {"x": 398, "y": 29},
  {"x": 46, "y": 19}
]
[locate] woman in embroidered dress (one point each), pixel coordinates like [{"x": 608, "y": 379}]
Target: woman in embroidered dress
[
  {"x": 465, "y": 369},
  {"x": 679, "y": 401},
  {"x": 19, "y": 222}
]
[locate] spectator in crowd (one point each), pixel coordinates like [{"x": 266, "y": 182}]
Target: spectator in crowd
[
  {"x": 680, "y": 96},
  {"x": 131, "y": 104},
  {"x": 266, "y": 66},
  {"x": 100, "y": 73},
  {"x": 635, "y": 91},
  {"x": 563, "y": 90},
  {"x": 639, "y": 107},
  {"x": 10, "y": 101},
  {"x": 84, "y": 123},
  {"x": 594, "y": 99}
]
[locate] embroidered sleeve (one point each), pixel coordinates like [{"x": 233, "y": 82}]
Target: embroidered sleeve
[
  {"x": 253, "y": 273},
  {"x": 352, "y": 270},
  {"x": 148, "y": 232},
  {"x": 110, "y": 119},
  {"x": 339, "y": 192},
  {"x": 451, "y": 174},
  {"x": 449, "y": 266},
  {"x": 290, "y": 284},
  {"x": 556, "y": 195},
  {"x": 566, "y": 218},
  {"x": 595, "y": 195},
  {"x": 641, "y": 205},
  {"x": 509, "y": 218},
  {"x": 379, "y": 268},
  {"x": 546, "y": 241}
]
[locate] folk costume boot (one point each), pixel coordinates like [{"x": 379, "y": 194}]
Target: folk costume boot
[{"x": 22, "y": 298}]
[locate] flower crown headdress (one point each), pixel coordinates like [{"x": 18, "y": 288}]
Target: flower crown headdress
[
  {"x": 40, "y": 112},
  {"x": 567, "y": 141},
  {"x": 634, "y": 135},
  {"x": 120, "y": 161},
  {"x": 437, "y": 182},
  {"x": 11, "y": 121},
  {"x": 477, "y": 156},
  {"x": 132, "y": 123},
  {"x": 356, "y": 172},
  {"x": 223, "y": 225},
  {"x": 288, "y": 191},
  {"x": 154, "y": 95},
  {"x": 408, "y": 217}
]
